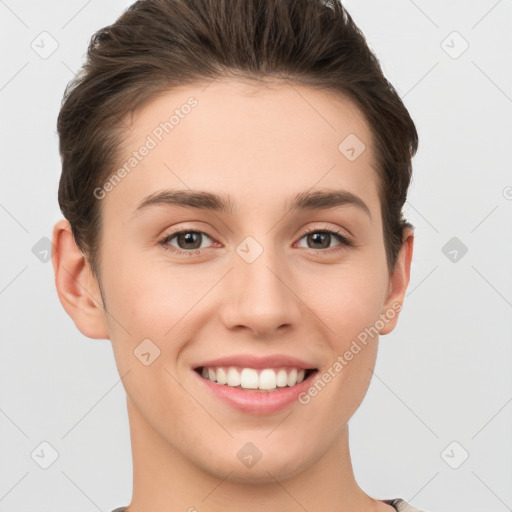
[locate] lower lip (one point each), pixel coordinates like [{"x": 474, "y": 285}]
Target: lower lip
[{"x": 257, "y": 402}]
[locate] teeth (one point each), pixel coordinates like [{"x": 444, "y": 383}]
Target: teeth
[
  {"x": 268, "y": 379},
  {"x": 292, "y": 377},
  {"x": 222, "y": 378},
  {"x": 282, "y": 378},
  {"x": 233, "y": 378},
  {"x": 249, "y": 378}
]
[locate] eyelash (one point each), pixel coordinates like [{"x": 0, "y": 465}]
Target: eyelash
[{"x": 344, "y": 241}]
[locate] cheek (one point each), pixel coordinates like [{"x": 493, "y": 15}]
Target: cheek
[
  {"x": 348, "y": 300},
  {"x": 157, "y": 302},
  {"x": 349, "y": 311},
  {"x": 146, "y": 298},
  {"x": 350, "y": 305}
]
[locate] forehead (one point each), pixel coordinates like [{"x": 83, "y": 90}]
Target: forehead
[{"x": 259, "y": 144}]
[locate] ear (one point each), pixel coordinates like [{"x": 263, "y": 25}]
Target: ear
[
  {"x": 77, "y": 287},
  {"x": 398, "y": 282}
]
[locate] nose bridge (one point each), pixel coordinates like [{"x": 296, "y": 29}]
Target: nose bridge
[{"x": 259, "y": 294}]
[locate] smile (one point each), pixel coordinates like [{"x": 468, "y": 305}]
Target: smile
[{"x": 266, "y": 379}]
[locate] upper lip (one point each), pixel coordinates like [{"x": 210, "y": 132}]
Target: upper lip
[{"x": 252, "y": 361}]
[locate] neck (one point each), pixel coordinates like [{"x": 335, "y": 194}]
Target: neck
[{"x": 164, "y": 480}]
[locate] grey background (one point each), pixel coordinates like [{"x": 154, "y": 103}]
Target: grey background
[{"x": 442, "y": 376}]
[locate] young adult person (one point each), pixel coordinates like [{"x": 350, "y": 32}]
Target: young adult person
[{"x": 233, "y": 176}]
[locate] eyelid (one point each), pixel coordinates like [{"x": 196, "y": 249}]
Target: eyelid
[
  {"x": 185, "y": 229},
  {"x": 341, "y": 231}
]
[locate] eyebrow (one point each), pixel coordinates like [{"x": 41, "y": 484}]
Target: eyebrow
[{"x": 317, "y": 200}]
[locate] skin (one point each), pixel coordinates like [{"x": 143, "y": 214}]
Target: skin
[{"x": 261, "y": 145}]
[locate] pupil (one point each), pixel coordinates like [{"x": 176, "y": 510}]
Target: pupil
[
  {"x": 188, "y": 238},
  {"x": 315, "y": 236}
]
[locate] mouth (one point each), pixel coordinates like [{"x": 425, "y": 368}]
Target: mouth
[{"x": 256, "y": 380}]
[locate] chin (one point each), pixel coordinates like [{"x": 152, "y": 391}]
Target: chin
[{"x": 268, "y": 469}]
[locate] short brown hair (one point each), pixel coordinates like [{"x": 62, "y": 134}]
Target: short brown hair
[{"x": 156, "y": 45}]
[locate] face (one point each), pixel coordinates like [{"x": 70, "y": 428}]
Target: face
[{"x": 276, "y": 281}]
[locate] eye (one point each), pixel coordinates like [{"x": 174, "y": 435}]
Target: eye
[
  {"x": 188, "y": 241},
  {"x": 322, "y": 238},
  {"x": 191, "y": 242}
]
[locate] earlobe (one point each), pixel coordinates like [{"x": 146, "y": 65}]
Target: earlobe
[
  {"x": 77, "y": 287},
  {"x": 398, "y": 282}
]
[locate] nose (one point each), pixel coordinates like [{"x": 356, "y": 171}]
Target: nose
[{"x": 260, "y": 296}]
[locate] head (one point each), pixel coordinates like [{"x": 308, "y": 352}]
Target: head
[{"x": 280, "y": 112}]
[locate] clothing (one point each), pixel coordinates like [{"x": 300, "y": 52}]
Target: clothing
[{"x": 399, "y": 504}]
